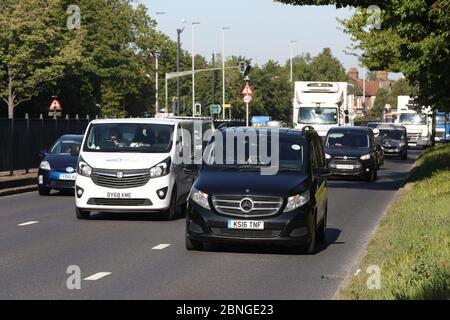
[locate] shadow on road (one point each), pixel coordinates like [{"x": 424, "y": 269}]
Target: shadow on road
[
  {"x": 331, "y": 239},
  {"x": 134, "y": 216}
]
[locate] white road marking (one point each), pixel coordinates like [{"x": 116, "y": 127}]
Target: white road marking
[
  {"x": 27, "y": 223},
  {"x": 161, "y": 246},
  {"x": 97, "y": 276}
]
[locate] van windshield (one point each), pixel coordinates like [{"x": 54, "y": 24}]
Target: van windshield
[
  {"x": 129, "y": 137},
  {"x": 343, "y": 139},
  {"x": 392, "y": 134},
  {"x": 312, "y": 115}
]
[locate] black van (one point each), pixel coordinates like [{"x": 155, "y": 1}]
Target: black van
[
  {"x": 232, "y": 201},
  {"x": 352, "y": 151}
]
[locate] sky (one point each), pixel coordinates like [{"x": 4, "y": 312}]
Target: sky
[{"x": 259, "y": 29}]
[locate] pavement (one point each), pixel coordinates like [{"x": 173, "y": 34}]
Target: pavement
[
  {"x": 136, "y": 256},
  {"x": 20, "y": 182}
]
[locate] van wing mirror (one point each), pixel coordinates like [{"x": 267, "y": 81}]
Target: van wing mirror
[
  {"x": 322, "y": 172},
  {"x": 191, "y": 169},
  {"x": 42, "y": 154}
]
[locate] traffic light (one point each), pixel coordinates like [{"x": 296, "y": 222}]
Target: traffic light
[{"x": 244, "y": 68}]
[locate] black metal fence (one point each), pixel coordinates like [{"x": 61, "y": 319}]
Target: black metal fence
[{"x": 22, "y": 139}]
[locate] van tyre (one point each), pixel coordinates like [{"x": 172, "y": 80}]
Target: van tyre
[
  {"x": 193, "y": 245},
  {"x": 82, "y": 214},
  {"x": 405, "y": 156},
  {"x": 322, "y": 231},
  {"x": 169, "y": 214},
  {"x": 373, "y": 175},
  {"x": 43, "y": 191},
  {"x": 310, "y": 248}
]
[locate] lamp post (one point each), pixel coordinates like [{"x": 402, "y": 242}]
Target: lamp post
[
  {"x": 193, "y": 67},
  {"x": 291, "y": 43},
  {"x": 157, "y": 54},
  {"x": 223, "y": 69},
  {"x": 179, "y": 32}
]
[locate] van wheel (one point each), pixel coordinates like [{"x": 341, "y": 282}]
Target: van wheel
[
  {"x": 169, "y": 214},
  {"x": 82, "y": 215},
  {"x": 405, "y": 156},
  {"x": 373, "y": 175},
  {"x": 321, "y": 232},
  {"x": 310, "y": 248},
  {"x": 193, "y": 245},
  {"x": 43, "y": 191}
]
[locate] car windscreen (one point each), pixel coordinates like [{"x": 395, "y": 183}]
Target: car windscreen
[
  {"x": 129, "y": 137},
  {"x": 64, "y": 146},
  {"x": 347, "y": 139},
  {"x": 313, "y": 115},
  {"x": 252, "y": 151},
  {"x": 392, "y": 134}
]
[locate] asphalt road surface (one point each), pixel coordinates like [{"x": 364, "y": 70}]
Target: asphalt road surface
[{"x": 123, "y": 256}]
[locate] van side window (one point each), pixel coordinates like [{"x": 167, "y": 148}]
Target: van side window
[
  {"x": 312, "y": 156},
  {"x": 321, "y": 162},
  {"x": 188, "y": 135}
]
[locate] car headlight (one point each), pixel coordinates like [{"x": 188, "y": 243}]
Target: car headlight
[
  {"x": 200, "y": 198},
  {"x": 401, "y": 144},
  {"x": 365, "y": 157},
  {"x": 45, "y": 165},
  {"x": 161, "y": 169},
  {"x": 84, "y": 169},
  {"x": 297, "y": 201},
  {"x": 327, "y": 156}
]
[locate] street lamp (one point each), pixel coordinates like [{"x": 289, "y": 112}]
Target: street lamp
[
  {"x": 157, "y": 53},
  {"x": 193, "y": 67},
  {"x": 291, "y": 43},
  {"x": 223, "y": 68},
  {"x": 179, "y": 31}
]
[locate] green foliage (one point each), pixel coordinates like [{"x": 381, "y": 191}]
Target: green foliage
[
  {"x": 35, "y": 48},
  {"x": 412, "y": 243},
  {"x": 381, "y": 100},
  {"x": 413, "y": 39}
]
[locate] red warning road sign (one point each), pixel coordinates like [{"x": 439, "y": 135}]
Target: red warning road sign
[
  {"x": 55, "y": 106},
  {"x": 247, "y": 90}
]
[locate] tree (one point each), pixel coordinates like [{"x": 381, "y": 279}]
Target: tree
[
  {"x": 381, "y": 100},
  {"x": 35, "y": 48},
  {"x": 400, "y": 88},
  {"x": 413, "y": 39}
]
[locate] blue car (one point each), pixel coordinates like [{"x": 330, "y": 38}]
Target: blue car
[{"x": 57, "y": 170}]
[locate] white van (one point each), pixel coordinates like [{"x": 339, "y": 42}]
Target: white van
[{"x": 127, "y": 165}]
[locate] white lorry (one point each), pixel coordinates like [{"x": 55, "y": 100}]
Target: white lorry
[
  {"x": 323, "y": 105},
  {"x": 419, "y": 124}
]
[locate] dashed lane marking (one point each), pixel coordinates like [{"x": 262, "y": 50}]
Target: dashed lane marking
[
  {"x": 27, "y": 223},
  {"x": 97, "y": 276},
  {"x": 161, "y": 246}
]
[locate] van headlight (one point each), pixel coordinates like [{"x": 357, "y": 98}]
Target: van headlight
[
  {"x": 297, "y": 201},
  {"x": 365, "y": 157},
  {"x": 161, "y": 169},
  {"x": 327, "y": 156},
  {"x": 45, "y": 165},
  {"x": 84, "y": 169},
  {"x": 200, "y": 198}
]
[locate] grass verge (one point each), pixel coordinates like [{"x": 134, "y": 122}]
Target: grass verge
[{"x": 412, "y": 244}]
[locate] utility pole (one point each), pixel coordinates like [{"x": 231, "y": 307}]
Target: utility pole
[
  {"x": 213, "y": 93},
  {"x": 157, "y": 54},
  {"x": 179, "y": 31},
  {"x": 223, "y": 69},
  {"x": 291, "y": 43},
  {"x": 193, "y": 67}
]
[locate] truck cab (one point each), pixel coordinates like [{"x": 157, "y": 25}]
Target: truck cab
[{"x": 322, "y": 105}]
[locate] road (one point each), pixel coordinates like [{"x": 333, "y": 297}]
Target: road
[{"x": 34, "y": 257}]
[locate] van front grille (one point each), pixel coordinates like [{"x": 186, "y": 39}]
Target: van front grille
[
  {"x": 120, "y": 179},
  {"x": 257, "y": 206},
  {"x": 119, "y": 202}
]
